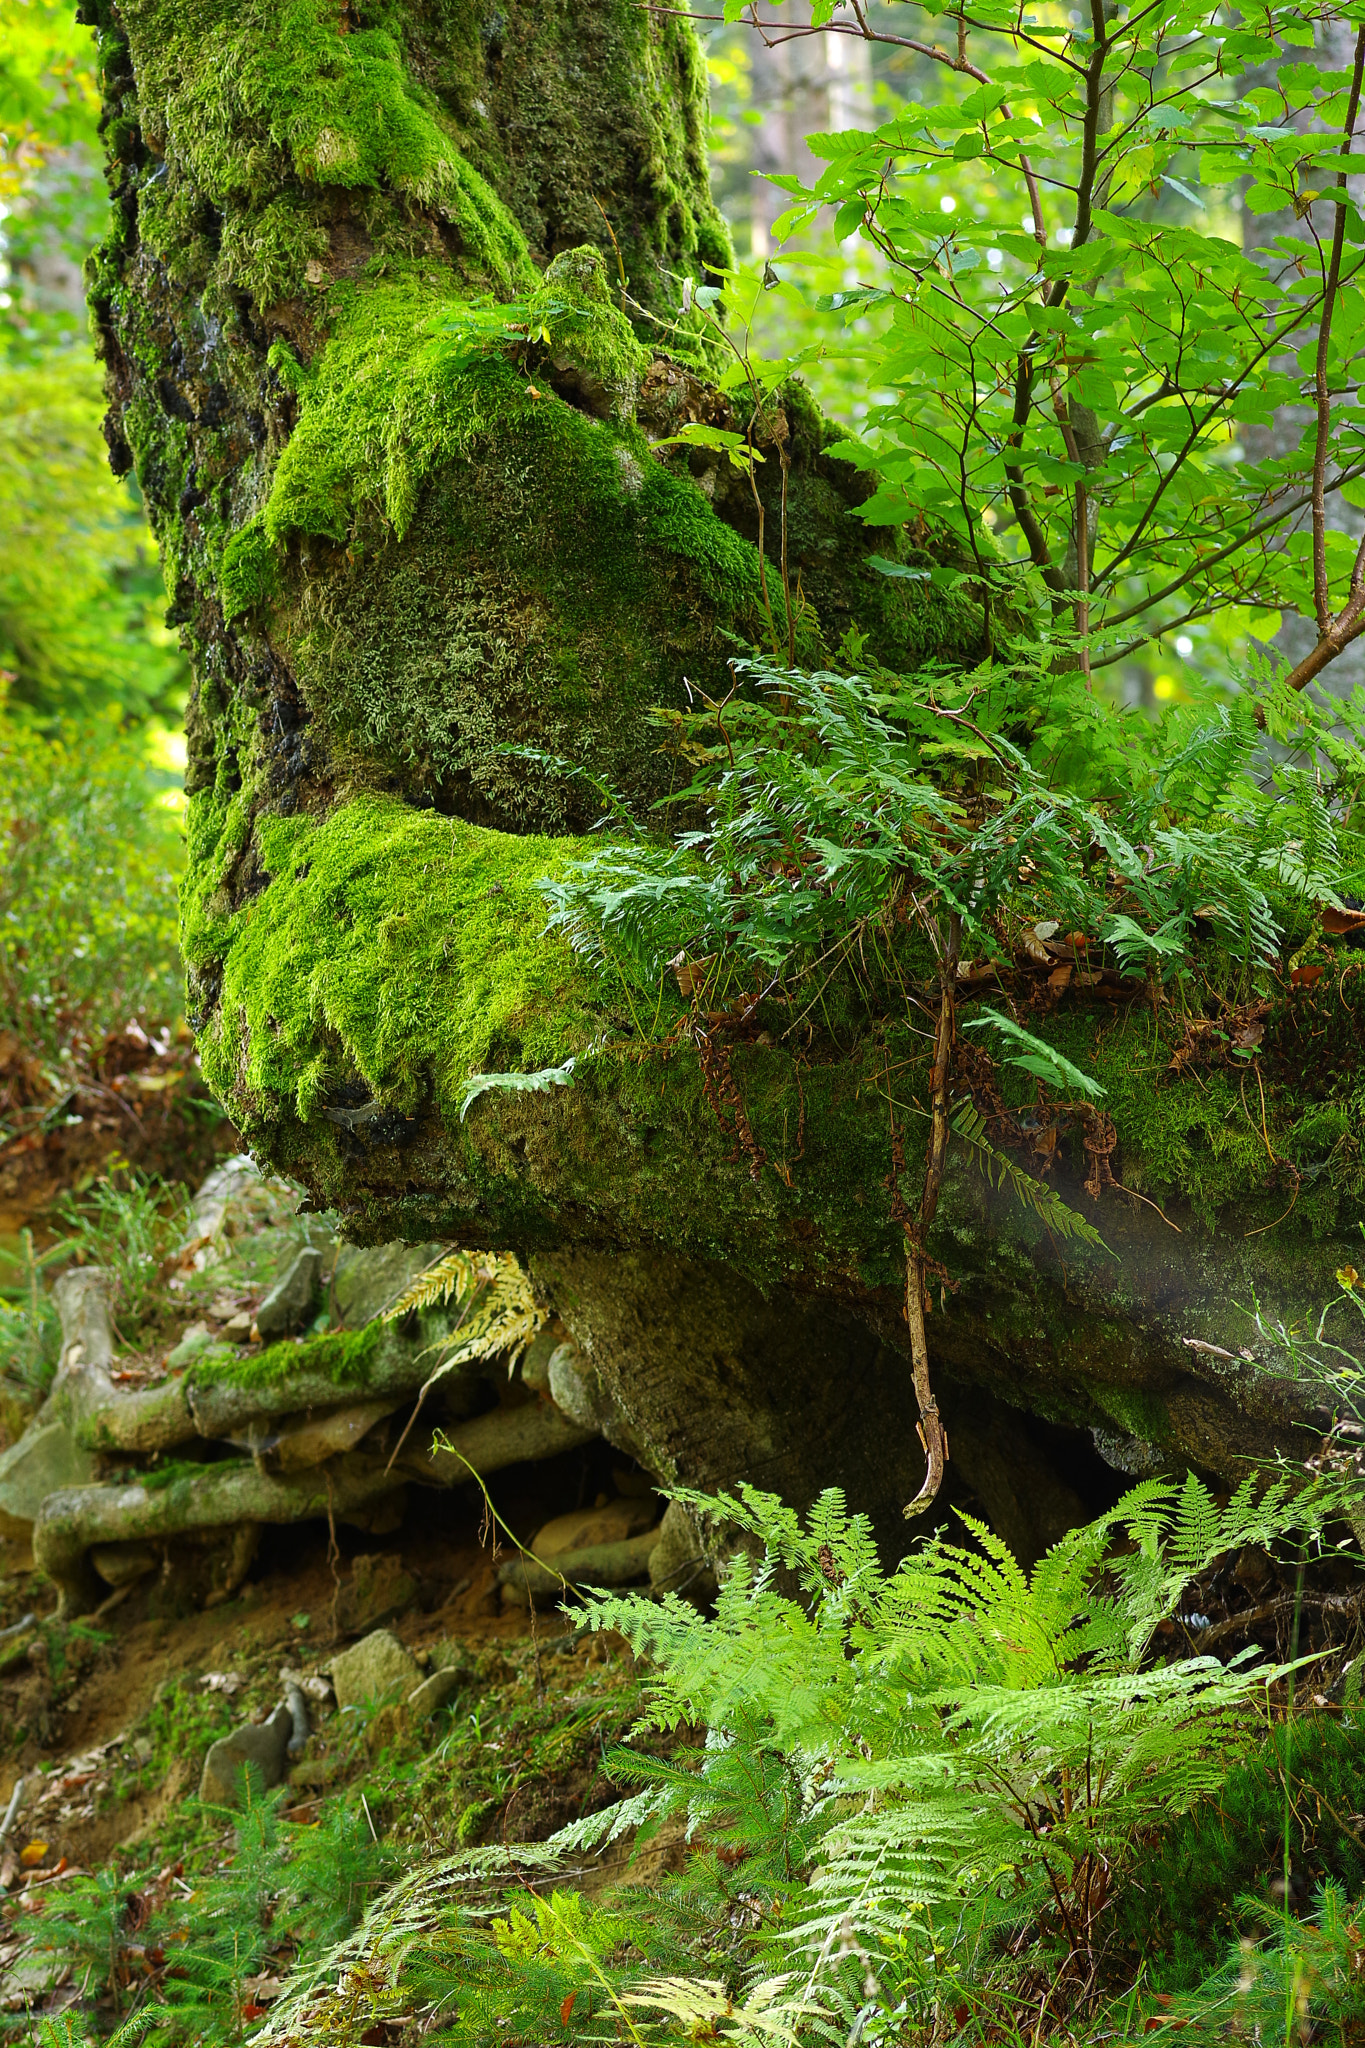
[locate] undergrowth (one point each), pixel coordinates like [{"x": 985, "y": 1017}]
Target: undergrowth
[
  {"x": 87, "y": 890},
  {"x": 919, "y": 1796}
]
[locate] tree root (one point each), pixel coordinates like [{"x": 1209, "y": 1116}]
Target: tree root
[
  {"x": 506, "y": 1436},
  {"x": 73, "y": 1522}
]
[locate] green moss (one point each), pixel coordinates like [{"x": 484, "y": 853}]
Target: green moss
[
  {"x": 232, "y": 85},
  {"x": 160, "y": 1477},
  {"x": 343, "y": 1356},
  {"x": 400, "y": 949},
  {"x": 250, "y": 572},
  {"x": 580, "y": 105},
  {"x": 412, "y": 376}
]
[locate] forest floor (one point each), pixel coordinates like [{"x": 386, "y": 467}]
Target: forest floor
[{"x": 105, "y": 1722}]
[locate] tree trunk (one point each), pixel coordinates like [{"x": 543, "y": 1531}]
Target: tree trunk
[{"x": 403, "y": 531}]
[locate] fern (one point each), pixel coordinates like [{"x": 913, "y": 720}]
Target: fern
[
  {"x": 499, "y": 1312},
  {"x": 1000, "y": 1170},
  {"x": 1037, "y": 1056},
  {"x": 956, "y": 1736},
  {"x": 907, "y": 1776}
]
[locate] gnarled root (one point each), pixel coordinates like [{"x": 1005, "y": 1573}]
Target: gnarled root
[{"x": 73, "y": 1522}]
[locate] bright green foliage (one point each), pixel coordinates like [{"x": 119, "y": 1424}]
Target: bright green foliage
[
  {"x": 79, "y": 587},
  {"x": 1080, "y": 355},
  {"x": 1306, "y": 1980},
  {"x": 898, "y": 1768},
  {"x": 53, "y": 199},
  {"x": 30, "y": 1329},
  {"x": 312, "y": 1883},
  {"x": 87, "y": 889},
  {"x": 410, "y": 379},
  {"x": 404, "y": 948},
  {"x": 955, "y": 1737},
  {"x": 343, "y": 1356},
  {"x": 1298, "y": 1791},
  {"x": 840, "y": 797}
]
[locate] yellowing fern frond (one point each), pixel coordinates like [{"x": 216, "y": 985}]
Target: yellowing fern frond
[{"x": 500, "y": 1312}]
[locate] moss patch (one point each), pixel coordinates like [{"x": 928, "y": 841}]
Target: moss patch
[
  {"x": 399, "y": 949},
  {"x": 343, "y": 1356},
  {"x": 288, "y": 98}
]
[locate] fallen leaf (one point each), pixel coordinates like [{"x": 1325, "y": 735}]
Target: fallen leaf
[
  {"x": 1339, "y": 922},
  {"x": 1059, "y": 977},
  {"x": 566, "y": 2010},
  {"x": 1304, "y": 977},
  {"x": 31, "y": 1853}
]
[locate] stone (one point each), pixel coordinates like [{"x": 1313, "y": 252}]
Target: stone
[
  {"x": 318, "y": 1437},
  {"x": 535, "y": 1363},
  {"x": 433, "y": 1693},
  {"x": 236, "y": 1200},
  {"x": 285, "y": 1308},
  {"x": 678, "y": 1563},
  {"x": 587, "y": 1528},
  {"x": 122, "y": 1564},
  {"x": 193, "y": 1344},
  {"x": 378, "y": 1589},
  {"x": 47, "y": 1459},
  {"x": 252, "y": 1757},
  {"x": 366, "y": 1281},
  {"x": 375, "y": 1670}
]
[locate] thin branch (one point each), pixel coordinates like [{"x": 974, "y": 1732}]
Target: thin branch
[{"x": 1322, "y": 599}]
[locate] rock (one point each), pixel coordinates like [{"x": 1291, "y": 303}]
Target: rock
[
  {"x": 365, "y": 1282},
  {"x": 84, "y": 1300},
  {"x": 587, "y": 1528},
  {"x": 251, "y": 1759},
  {"x": 374, "y": 1670},
  {"x": 318, "y": 1437},
  {"x": 195, "y": 1341},
  {"x": 535, "y": 1364},
  {"x": 678, "y": 1563},
  {"x": 285, "y": 1308},
  {"x": 238, "y": 1328},
  {"x": 122, "y": 1564},
  {"x": 378, "y": 1589},
  {"x": 433, "y": 1692},
  {"x": 46, "y": 1460},
  {"x": 235, "y": 1200}
]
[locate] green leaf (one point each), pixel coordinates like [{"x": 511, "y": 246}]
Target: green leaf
[
  {"x": 1038, "y": 1057},
  {"x": 539, "y": 1083},
  {"x": 1001, "y": 1171}
]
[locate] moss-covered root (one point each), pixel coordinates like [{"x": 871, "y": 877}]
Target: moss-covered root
[
  {"x": 75, "y": 1521},
  {"x": 508, "y": 1436}
]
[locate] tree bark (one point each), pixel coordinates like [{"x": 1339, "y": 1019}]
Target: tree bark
[{"x": 362, "y": 321}]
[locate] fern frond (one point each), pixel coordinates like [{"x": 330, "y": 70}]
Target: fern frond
[
  {"x": 501, "y": 1316},
  {"x": 1001, "y": 1171},
  {"x": 454, "y": 1273}
]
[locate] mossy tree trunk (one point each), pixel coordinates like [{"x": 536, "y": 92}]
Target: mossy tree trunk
[{"x": 397, "y": 425}]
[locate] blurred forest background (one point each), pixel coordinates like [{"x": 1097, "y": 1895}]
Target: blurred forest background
[{"x": 92, "y": 681}]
